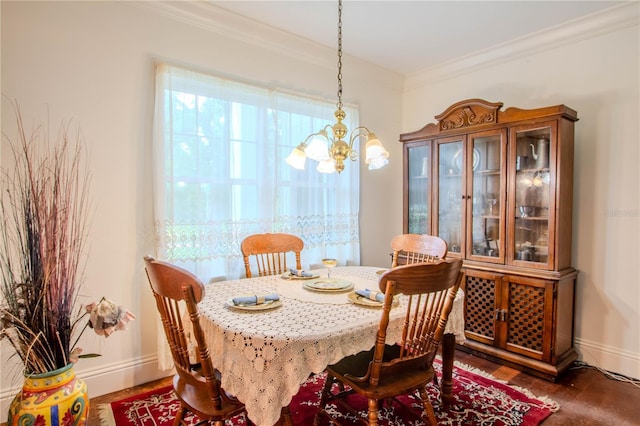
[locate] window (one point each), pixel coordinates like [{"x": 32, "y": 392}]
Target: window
[{"x": 219, "y": 174}]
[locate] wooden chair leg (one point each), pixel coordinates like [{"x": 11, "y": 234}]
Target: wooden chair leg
[
  {"x": 285, "y": 417},
  {"x": 446, "y": 383},
  {"x": 373, "y": 412},
  {"x": 179, "y": 416},
  {"x": 428, "y": 408},
  {"x": 324, "y": 397},
  {"x": 249, "y": 422}
]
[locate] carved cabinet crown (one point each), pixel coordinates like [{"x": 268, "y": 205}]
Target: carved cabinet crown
[{"x": 471, "y": 112}]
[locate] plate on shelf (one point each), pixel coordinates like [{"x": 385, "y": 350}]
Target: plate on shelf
[
  {"x": 363, "y": 301},
  {"x": 328, "y": 285},
  {"x": 269, "y": 304},
  {"x": 457, "y": 159},
  {"x": 290, "y": 276}
]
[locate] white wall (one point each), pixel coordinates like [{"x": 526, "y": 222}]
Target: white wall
[
  {"x": 595, "y": 72},
  {"x": 93, "y": 62}
]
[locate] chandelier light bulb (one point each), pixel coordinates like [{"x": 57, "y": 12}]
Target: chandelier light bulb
[
  {"x": 376, "y": 156},
  {"x": 318, "y": 149},
  {"x": 326, "y": 166},
  {"x": 297, "y": 158}
]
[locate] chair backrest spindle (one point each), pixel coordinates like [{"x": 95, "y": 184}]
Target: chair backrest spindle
[{"x": 270, "y": 252}]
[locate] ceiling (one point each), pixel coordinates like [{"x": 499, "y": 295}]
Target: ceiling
[{"x": 412, "y": 36}]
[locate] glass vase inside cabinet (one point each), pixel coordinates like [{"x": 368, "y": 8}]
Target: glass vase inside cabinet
[
  {"x": 533, "y": 196},
  {"x": 450, "y": 197},
  {"x": 418, "y": 190},
  {"x": 487, "y": 186}
]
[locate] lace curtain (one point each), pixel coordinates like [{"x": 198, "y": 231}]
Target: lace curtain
[{"x": 219, "y": 174}]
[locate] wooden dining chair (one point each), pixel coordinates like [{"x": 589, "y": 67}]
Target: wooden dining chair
[
  {"x": 196, "y": 384},
  {"x": 269, "y": 252},
  {"x": 387, "y": 371},
  {"x": 417, "y": 248}
]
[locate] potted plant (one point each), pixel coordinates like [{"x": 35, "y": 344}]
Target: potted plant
[{"x": 44, "y": 213}]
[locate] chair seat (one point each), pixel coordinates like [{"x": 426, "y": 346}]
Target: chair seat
[
  {"x": 196, "y": 397},
  {"x": 351, "y": 367}
]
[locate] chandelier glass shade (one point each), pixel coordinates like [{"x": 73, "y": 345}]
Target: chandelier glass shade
[{"x": 330, "y": 146}]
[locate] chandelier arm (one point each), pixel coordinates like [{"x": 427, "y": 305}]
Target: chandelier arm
[
  {"x": 322, "y": 132},
  {"x": 326, "y": 134},
  {"x": 355, "y": 133},
  {"x": 313, "y": 135}
]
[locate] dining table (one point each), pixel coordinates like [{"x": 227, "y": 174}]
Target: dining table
[{"x": 266, "y": 351}]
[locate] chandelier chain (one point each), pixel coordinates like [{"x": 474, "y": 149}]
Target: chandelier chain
[{"x": 339, "y": 104}]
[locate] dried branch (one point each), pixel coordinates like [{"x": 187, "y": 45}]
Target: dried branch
[{"x": 44, "y": 208}]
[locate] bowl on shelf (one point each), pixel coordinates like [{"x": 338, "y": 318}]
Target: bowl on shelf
[
  {"x": 526, "y": 211},
  {"x": 524, "y": 255},
  {"x": 526, "y": 252}
]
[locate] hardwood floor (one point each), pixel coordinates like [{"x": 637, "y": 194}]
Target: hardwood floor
[{"x": 585, "y": 395}]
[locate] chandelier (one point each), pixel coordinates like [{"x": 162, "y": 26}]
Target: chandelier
[{"x": 328, "y": 146}]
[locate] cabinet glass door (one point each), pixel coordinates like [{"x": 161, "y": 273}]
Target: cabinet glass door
[
  {"x": 533, "y": 197},
  {"x": 419, "y": 189},
  {"x": 487, "y": 158},
  {"x": 450, "y": 199}
]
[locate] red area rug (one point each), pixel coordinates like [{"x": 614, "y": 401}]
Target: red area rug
[{"x": 478, "y": 400}]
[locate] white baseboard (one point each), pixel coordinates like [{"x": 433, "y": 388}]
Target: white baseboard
[
  {"x": 105, "y": 379},
  {"x": 608, "y": 358}
]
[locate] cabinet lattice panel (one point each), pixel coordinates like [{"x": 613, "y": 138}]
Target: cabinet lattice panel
[
  {"x": 480, "y": 296},
  {"x": 526, "y": 316}
]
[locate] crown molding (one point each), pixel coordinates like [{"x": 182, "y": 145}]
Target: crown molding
[
  {"x": 212, "y": 18},
  {"x": 594, "y": 25},
  {"x": 209, "y": 17}
]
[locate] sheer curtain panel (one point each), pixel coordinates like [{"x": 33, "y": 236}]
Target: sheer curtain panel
[{"x": 219, "y": 174}]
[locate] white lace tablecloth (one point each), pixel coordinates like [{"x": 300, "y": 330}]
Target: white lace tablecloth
[{"x": 264, "y": 356}]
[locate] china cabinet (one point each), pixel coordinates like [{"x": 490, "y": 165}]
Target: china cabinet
[{"x": 498, "y": 187}]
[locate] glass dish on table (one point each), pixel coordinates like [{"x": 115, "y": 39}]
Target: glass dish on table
[
  {"x": 329, "y": 263},
  {"x": 328, "y": 285}
]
